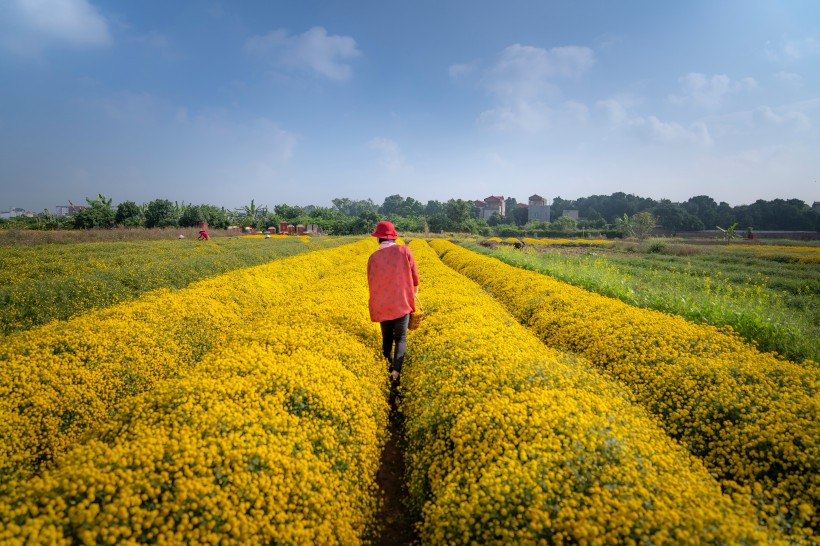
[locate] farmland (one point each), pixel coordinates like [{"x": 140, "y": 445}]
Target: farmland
[
  {"x": 767, "y": 293},
  {"x": 248, "y": 405}
]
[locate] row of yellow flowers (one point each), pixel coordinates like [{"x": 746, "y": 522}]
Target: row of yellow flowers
[
  {"x": 549, "y": 241},
  {"x": 274, "y": 436},
  {"x": 751, "y": 417},
  {"x": 511, "y": 442},
  {"x": 41, "y": 283},
  {"x": 59, "y": 380}
]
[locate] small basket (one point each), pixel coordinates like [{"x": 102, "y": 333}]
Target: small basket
[{"x": 416, "y": 316}]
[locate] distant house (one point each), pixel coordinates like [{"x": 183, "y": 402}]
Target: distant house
[
  {"x": 490, "y": 205},
  {"x": 571, "y": 214},
  {"x": 537, "y": 209},
  {"x": 14, "y": 212},
  {"x": 815, "y": 206},
  {"x": 68, "y": 210}
]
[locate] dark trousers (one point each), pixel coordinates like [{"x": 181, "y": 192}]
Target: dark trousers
[{"x": 394, "y": 340}]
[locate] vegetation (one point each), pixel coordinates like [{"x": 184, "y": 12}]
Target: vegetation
[
  {"x": 767, "y": 294},
  {"x": 39, "y": 284},
  {"x": 597, "y": 214},
  {"x": 219, "y": 413},
  {"x": 204, "y": 415},
  {"x": 750, "y": 417}
]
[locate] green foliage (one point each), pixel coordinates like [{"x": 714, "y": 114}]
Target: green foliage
[
  {"x": 161, "y": 213},
  {"x": 642, "y": 224},
  {"x": 98, "y": 214},
  {"x": 128, "y": 214},
  {"x": 566, "y": 224}
]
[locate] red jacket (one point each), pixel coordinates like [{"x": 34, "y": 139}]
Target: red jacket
[{"x": 392, "y": 277}]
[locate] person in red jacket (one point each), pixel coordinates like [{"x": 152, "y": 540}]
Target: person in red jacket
[{"x": 393, "y": 280}]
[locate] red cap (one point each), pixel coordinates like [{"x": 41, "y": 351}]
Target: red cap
[{"x": 385, "y": 230}]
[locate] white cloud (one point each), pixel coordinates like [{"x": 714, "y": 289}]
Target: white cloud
[
  {"x": 791, "y": 51},
  {"x": 661, "y": 132},
  {"x": 615, "y": 111},
  {"x": 651, "y": 128},
  {"x": 461, "y": 70},
  {"x": 390, "y": 156},
  {"x": 789, "y": 78},
  {"x": 313, "y": 50},
  {"x": 522, "y": 83},
  {"x": 29, "y": 26},
  {"x": 702, "y": 91},
  {"x": 793, "y": 119},
  {"x": 527, "y": 73}
]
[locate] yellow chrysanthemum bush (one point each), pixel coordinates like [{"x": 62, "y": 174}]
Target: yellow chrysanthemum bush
[
  {"x": 511, "y": 442},
  {"x": 274, "y": 436},
  {"x": 268, "y": 441},
  {"x": 60, "y": 380},
  {"x": 752, "y": 418}
]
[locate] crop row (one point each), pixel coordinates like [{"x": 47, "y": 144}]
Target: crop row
[
  {"x": 512, "y": 442},
  {"x": 42, "y": 283},
  {"x": 273, "y": 436},
  {"x": 749, "y": 416},
  {"x": 60, "y": 380}
]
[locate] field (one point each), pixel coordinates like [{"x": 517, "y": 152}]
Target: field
[
  {"x": 246, "y": 403},
  {"x": 767, "y": 293}
]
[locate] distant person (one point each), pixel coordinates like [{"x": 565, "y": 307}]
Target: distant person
[
  {"x": 393, "y": 281},
  {"x": 203, "y": 235}
]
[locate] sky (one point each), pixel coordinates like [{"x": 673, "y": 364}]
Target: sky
[{"x": 301, "y": 102}]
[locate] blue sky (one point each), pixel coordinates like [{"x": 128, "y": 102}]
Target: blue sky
[{"x": 300, "y": 102}]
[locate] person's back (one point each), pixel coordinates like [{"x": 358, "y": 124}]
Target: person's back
[{"x": 392, "y": 278}]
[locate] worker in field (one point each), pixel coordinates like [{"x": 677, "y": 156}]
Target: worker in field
[
  {"x": 203, "y": 235},
  {"x": 393, "y": 280}
]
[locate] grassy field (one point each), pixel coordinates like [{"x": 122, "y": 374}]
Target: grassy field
[{"x": 767, "y": 293}]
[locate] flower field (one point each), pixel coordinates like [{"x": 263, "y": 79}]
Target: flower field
[
  {"x": 766, "y": 293},
  {"x": 209, "y": 428},
  {"x": 251, "y": 407},
  {"x": 41, "y": 283},
  {"x": 511, "y": 442},
  {"x": 750, "y": 417}
]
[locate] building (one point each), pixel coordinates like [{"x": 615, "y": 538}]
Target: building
[
  {"x": 68, "y": 210},
  {"x": 490, "y": 205},
  {"x": 537, "y": 209},
  {"x": 571, "y": 214},
  {"x": 15, "y": 212}
]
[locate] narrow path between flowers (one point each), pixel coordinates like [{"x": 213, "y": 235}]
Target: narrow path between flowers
[{"x": 395, "y": 521}]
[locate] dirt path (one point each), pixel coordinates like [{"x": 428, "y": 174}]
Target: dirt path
[{"x": 395, "y": 521}]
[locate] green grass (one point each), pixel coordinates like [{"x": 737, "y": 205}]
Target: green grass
[
  {"x": 768, "y": 298},
  {"x": 40, "y": 283}
]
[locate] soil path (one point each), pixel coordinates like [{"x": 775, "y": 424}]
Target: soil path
[{"x": 395, "y": 521}]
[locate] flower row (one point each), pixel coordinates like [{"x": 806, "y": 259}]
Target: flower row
[
  {"x": 512, "y": 442},
  {"x": 274, "y": 436},
  {"x": 750, "y": 417},
  {"x": 60, "y": 380}
]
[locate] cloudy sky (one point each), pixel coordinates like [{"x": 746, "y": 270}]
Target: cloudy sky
[{"x": 300, "y": 102}]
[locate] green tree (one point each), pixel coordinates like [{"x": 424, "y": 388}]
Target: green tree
[
  {"x": 128, "y": 214},
  {"x": 566, "y": 224},
  {"x": 160, "y": 213},
  {"x": 458, "y": 212},
  {"x": 642, "y": 224},
  {"x": 98, "y": 214}
]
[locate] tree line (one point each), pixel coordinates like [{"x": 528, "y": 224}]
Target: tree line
[{"x": 608, "y": 214}]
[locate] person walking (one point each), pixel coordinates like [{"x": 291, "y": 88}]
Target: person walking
[{"x": 393, "y": 281}]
